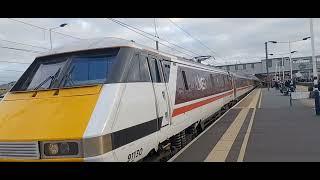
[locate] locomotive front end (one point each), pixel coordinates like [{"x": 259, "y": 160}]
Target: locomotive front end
[{"x": 46, "y": 115}]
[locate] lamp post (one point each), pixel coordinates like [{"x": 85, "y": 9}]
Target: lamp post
[
  {"x": 61, "y": 25},
  {"x": 266, "y": 49},
  {"x": 275, "y": 72},
  {"x": 315, "y": 73},
  {"x": 290, "y": 60},
  {"x": 290, "y": 42},
  {"x": 283, "y": 61},
  {"x": 282, "y": 68}
]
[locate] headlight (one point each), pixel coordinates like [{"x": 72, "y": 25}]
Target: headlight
[
  {"x": 61, "y": 149},
  {"x": 84, "y": 148}
]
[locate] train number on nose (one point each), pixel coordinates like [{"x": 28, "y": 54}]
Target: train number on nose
[{"x": 135, "y": 154}]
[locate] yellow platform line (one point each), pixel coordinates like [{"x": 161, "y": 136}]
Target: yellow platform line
[
  {"x": 221, "y": 150},
  {"x": 254, "y": 101},
  {"x": 246, "y": 137},
  {"x": 259, "y": 106}
]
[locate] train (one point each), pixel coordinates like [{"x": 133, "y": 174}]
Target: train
[{"x": 111, "y": 100}]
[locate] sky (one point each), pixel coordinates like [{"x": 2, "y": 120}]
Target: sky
[{"x": 229, "y": 40}]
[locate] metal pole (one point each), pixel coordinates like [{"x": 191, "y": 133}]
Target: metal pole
[
  {"x": 282, "y": 69},
  {"x": 278, "y": 67},
  {"x": 309, "y": 75},
  {"x": 157, "y": 45},
  {"x": 266, "y": 47},
  {"x": 275, "y": 72},
  {"x": 279, "y": 70},
  {"x": 315, "y": 73},
  {"x": 290, "y": 60},
  {"x": 50, "y": 39},
  {"x": 156, "y": 33}
]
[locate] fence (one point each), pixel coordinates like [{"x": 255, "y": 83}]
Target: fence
[{"x": 298, "y": 95}]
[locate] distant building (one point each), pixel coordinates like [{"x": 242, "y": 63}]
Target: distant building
[
  {"x": 248, "y": 68},
  {"x": 6, "y": 87},
  {"x": 300, "y": 65}
]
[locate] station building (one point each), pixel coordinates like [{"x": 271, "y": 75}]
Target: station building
[{"x": 301, "y": 67}]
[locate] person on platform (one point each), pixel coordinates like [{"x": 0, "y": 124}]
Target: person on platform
[
  {"x": 294, "y": 83},
  {"x": 276, "y": 84},
  {"x": 287, "y": 83}
]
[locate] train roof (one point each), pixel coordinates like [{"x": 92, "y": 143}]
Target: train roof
[
  {"x": 109, "y": 42},
  {"x": 244, "y": 75},
  {"x": 88, "y": 44}
]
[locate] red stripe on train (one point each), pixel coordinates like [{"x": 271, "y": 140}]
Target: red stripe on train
[{"x": 189, "y": 107}]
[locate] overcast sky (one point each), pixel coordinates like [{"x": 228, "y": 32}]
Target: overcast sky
[{"x": 232, "y": 40}]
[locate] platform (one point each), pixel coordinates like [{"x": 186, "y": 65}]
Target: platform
[{"x": 261, "y": 127}]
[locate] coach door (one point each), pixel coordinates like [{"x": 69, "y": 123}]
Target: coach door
[
  {"x": 160, "y": 92},
  {"x": 234, "y": 86},
  {"x": 165, "y": 68}
]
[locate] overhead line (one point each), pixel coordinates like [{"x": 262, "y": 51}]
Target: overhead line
[
  {"x": 20, "y": 49},
  {"x": 5, "y": 82},
  {"x": 132, "y": 29},
  {"x": 13, "y": 62},
  {"x": 10, "y": 70},
  {"x": 44, "y": 28},
  {"x": 192, "y": 37},
  {"x": 117, "y": 21},
  {"x": 27, "y": 24},
  {"x": 23, "y": 44},
  {"x": 129, "y": 26}
]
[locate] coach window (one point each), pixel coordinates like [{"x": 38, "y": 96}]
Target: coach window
[
  {"x": 154, "y": 70},
  {"x": 138, "y": 70},
  {"x": 216, "y": 83},
  {"x": 230, "y": 82},
  {"x": 224, "y": 82},
  {"x": 238, "y": 82},
  {"x": 227, "y": 82},
  {"x": 166, "y": 70},
  {"x": 160, "y": 70},
  {"x": 185, "y": 80},
  {"x": 212, "y": 81}
]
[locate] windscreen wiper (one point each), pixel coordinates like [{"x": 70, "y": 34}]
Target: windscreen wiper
[
  {"x": 52, "y": 77},
  {"x": 67, "y": 75}
]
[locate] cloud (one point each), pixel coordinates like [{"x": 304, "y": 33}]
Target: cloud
[{"x": 232, "y": 39}]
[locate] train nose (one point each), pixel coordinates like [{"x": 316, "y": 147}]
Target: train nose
[{"x": 47, "y": 116}]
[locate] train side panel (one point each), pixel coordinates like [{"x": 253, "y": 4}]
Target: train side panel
[
  {"x": 193, "y": 96},
  {"x": 136, "y": 125}
]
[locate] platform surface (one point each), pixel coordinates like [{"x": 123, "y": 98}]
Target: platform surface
[{"x": 263, "y": 127}]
